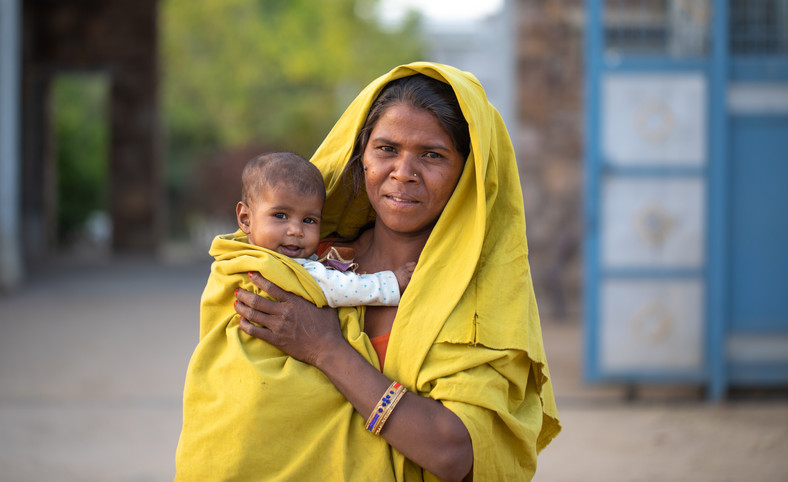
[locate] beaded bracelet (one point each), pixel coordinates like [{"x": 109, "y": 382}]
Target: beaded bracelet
[
  {"x": 383, "y": 408},
  {"x": 397, "y": 397}
]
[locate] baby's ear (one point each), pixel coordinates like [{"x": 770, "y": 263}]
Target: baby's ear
[{"x": 243, "y": 213}]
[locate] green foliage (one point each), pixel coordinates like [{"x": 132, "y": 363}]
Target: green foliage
[
  {"x": 268, "y": 71},
  {"x": 79, "y": 103}
]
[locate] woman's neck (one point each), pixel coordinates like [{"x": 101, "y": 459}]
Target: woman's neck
[{"x": 379, "y": 249}]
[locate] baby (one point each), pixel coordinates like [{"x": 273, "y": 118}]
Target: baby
[{"x": 280, "y": 209}]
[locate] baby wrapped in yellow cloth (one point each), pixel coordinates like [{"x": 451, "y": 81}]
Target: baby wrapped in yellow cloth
[{"x": 249, "y": 408}]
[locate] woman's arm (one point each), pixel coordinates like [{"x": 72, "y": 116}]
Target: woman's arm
[{"x": 422, "y": 429}]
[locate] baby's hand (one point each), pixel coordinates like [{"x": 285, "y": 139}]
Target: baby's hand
[{"x": 403, "y": 274}]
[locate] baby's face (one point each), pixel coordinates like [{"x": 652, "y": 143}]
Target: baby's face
[{"x": 286, "y": 222}]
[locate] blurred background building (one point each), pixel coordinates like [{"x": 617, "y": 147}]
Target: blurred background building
[{"x": 650, "y": 137}]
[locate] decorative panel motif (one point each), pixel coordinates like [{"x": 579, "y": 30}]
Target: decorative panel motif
[
  {"x": 651, "y": 325},
  {"x": 653, "y": 222},
  {"x": 654, "y": 119}
]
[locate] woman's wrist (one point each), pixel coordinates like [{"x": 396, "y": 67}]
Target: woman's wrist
[{"x": 333, "y": 356}]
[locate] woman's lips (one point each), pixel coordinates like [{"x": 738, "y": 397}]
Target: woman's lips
[{"x": 400, "y": 199}]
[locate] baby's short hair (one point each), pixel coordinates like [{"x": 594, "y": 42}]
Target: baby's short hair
[{"x": 281, "y": 168}]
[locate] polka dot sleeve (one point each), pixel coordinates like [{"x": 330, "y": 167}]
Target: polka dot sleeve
[{"x": 351, "y": 289}]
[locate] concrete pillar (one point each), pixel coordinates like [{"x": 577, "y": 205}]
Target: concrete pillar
[{"x": 10, "y": 226}]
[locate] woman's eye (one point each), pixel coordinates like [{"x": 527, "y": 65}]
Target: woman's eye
[
  {"x": 433, "y": 155},
  {"x": 386, "y": 148}
]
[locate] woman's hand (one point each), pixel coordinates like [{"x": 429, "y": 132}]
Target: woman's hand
[{"x": 292, "y": 324}]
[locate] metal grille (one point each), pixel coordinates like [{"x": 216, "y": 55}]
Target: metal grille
[
  {"x": 759, "y": 27},
  {"x": 675, "y": 28}
]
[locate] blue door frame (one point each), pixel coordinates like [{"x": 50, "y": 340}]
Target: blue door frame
[{"x": 692, "y": 309}]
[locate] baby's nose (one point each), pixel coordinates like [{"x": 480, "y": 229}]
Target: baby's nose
[{"x": 295, "y": 229}]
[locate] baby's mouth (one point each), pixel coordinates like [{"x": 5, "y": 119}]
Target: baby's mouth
[{"x": 290, "y": 249}]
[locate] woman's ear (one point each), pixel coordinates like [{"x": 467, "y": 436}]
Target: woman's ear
[{"x": 243, "y": 213}]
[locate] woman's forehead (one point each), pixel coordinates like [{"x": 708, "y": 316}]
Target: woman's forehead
[{"x": 400, "y": 121}]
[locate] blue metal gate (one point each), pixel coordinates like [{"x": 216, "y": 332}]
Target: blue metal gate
[{"x": 687, "y": 148}]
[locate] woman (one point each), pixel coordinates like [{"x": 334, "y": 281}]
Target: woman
[
  {"x": 468, "y": 317},
  {"x": 440, "y": 186}
]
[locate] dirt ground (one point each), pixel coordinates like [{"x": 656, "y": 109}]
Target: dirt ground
[{"x": 92, "y": 361}]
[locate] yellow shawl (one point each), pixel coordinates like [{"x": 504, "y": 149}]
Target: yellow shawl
[{"x": 250, "y": 413}]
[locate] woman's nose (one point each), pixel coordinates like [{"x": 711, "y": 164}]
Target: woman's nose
[{"x": 404, "y": 170}]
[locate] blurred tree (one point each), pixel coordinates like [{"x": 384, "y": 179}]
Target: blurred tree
[
  {"x": 79, "y": 103},
  {"x": 274, "y": 73}
]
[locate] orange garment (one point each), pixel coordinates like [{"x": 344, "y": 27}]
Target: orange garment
[{"x": 380, "y": 343}]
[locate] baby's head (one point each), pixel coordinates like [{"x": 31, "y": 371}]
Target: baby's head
[{"x": 281, "y": 203}]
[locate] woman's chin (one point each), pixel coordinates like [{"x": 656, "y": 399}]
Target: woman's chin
[{"x": 405, "y": 225}]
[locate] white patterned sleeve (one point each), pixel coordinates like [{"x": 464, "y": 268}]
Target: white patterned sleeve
[{"x": 351, "y": 289}]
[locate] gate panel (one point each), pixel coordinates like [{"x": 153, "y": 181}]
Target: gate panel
[
  {"x": 647, "y": 195},
  {"x": 756, "y": 345},
  {"x": 687, "y": 157},
  {"x": 759, "y": 225}
]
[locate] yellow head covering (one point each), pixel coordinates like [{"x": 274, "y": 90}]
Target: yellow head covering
[{"x": 467, "y": 330}]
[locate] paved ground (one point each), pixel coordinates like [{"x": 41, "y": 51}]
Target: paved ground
[
  {"x": 92, "y": 361},
  {"x": 664, "y": 434}
]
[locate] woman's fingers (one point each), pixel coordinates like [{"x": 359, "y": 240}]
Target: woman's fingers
[
  {"x": 263, "y": 313},
  {"x": 254, "y": 330},
  {"x": 253, "y": 307},
  {"x": 272, "y": 289},
  {"x": 260, "y": 312}
]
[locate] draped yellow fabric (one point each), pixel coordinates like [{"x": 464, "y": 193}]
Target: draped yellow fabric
[
  {"x": 466, "y": 333},
  {"x": 252, "y": 413},
  {"x": 467, "y": 330}
]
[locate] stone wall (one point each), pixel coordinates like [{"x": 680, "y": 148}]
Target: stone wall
[{"x": 549, "y": 144}]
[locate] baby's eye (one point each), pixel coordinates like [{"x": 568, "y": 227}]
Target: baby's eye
[
  {"x": 311, "y": 221},
  {"x": 280, "y": 215}
]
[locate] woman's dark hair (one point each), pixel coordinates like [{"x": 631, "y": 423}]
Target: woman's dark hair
[{"x": 421, "y": 92}]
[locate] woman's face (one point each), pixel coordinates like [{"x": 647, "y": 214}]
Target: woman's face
[{"x": 411, "y": 167}]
